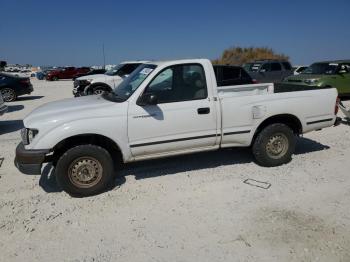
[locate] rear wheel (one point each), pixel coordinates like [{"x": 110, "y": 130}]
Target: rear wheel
[
  {"x": 274, "y": 145},
  {"x": 8, "y": 94},
  {"x": 84, "y": 170}
]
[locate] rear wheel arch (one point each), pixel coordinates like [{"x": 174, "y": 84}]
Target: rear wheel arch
[{"x": 288, "y": 119}]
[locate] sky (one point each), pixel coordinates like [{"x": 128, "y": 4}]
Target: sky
[{"x": 73, "y": 32}]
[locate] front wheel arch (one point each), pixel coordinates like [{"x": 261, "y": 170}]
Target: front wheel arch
[
  {"x": 91, "y": 88},
  {"x": 93, "y": 139}
]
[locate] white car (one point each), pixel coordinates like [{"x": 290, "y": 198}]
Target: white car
[
  {"x": 3, "y": 107},
  {"x": 97, "y": 84},
  {"x": 297, "y": 70},
  {"x": 164, "y": 109}
]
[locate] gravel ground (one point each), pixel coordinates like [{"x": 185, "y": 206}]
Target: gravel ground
[{"x": 189, "y": 208}]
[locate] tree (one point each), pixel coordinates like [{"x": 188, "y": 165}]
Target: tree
[{"x": 239, "y": 55}]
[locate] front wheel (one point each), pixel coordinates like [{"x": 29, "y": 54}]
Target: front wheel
[
  {"x": 84, "y": 170},
  {"x": 274, "y": 145},
  {"x": 99, "y": 90}
]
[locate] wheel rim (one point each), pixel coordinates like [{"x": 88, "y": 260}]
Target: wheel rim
[
  {"x": 98, "y": 91},
  {"x": 277, "y": 146},
  {"x": 7, "y": 94},
  {"x": 85, "y": 172}
]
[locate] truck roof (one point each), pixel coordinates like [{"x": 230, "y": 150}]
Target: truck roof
[
  {"x": 335, "y": 61},
  {"x": 134, "y": 62},
  {"x": 180, "y": 61}
]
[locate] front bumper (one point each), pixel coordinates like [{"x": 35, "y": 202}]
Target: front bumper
[
  {"x": 3, "y": 109},
  {"x": 29, "y": 161}
]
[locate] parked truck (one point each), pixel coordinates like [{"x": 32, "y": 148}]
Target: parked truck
[{"x": 164, "y": 109}]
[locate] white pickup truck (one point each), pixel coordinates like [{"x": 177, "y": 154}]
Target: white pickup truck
[{"x": 164, "y": 109}]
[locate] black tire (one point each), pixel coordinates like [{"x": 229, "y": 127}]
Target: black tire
[
  {"x": 98, "y": 90},
  {"x": 55, "y": 78},
  {"x": 274, "y": 145},
  {"x": 8, "y": 94},
  {"x": 80, "y": 163}
]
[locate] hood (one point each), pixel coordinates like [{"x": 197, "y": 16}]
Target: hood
[
  {"x": 53, "y": 72},
  {"x": 67, "y": 110},
  {"x": 92, "y": 76}
]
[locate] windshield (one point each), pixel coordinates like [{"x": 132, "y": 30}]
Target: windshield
[
  {"x": 114, "y": 70},
  {"x": 252, "y": 67},
  {"x": 131, "y": 83},
  {"x": 321, "y": 69}
]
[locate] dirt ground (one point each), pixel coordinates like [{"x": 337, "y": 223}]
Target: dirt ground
[{"x": 189, "y": 208}]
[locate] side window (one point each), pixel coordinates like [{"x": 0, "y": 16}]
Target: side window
[
  {"x": 287, "y": 66},
  {"x": 179, "y": 83},
  {"x": 265, "y": 67},
  {"x": 230, "y": 73},
  {"x": 276, "y": 67}
]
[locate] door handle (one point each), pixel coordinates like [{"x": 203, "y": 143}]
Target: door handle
[{"x": 203, "y": 110}]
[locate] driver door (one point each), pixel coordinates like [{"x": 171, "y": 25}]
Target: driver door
[{"x": 184, "y": 118}]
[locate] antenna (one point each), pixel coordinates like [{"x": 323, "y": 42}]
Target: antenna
[{"x": 104, "y": 57}]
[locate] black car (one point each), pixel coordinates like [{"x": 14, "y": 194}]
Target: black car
[
  {"x": 91, "y": 72},
  {"x": 232, "y": 75},
  {"x": 12, "y": 86}
]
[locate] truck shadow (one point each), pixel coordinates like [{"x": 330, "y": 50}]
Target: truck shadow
[
  {"x": 180, "y": 164},
  {"x": 198, "y": 161},
  {"x": 9, "y": 126}
]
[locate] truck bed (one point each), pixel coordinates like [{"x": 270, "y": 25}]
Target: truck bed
[{"x": 245, "y": 107}]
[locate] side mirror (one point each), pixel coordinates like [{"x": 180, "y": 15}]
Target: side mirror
[{"x": 147, "y": 99}]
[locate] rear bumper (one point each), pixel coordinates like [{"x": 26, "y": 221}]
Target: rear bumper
[
  {"x": 3, "y": 109},
  {"x": 29, "y": 162}
]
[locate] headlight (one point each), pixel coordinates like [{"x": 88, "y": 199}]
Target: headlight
[
  {"x": 28, "y": 135},
  {"x": 311, "y": 81}
]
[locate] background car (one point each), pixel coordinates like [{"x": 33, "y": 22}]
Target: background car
[
  {"x": 91, "y": 72},
  {"x": 66, "y": 73},
  {"x": 98, "y": 84},
  {"x": 298, "y": 69},
  {"x": 325, "y": 74},
  {"x": 232, "y": 75},
  {"x": 12, "y": 86},
  {"x": 268, "y": 71}
]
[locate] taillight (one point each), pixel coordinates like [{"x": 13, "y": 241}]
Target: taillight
[
  {"x": 25, "y": 81},
  {"x": 254, "y": 81},
  {"x": 336, "y": 109}
]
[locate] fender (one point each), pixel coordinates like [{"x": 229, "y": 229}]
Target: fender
[{"x": 94, "y": 126}]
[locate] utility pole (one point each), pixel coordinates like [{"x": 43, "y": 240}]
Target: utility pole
[{"x": 104, "y": 57}]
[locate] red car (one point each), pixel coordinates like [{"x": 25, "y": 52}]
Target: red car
[{"x": 66, "y": 73}]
